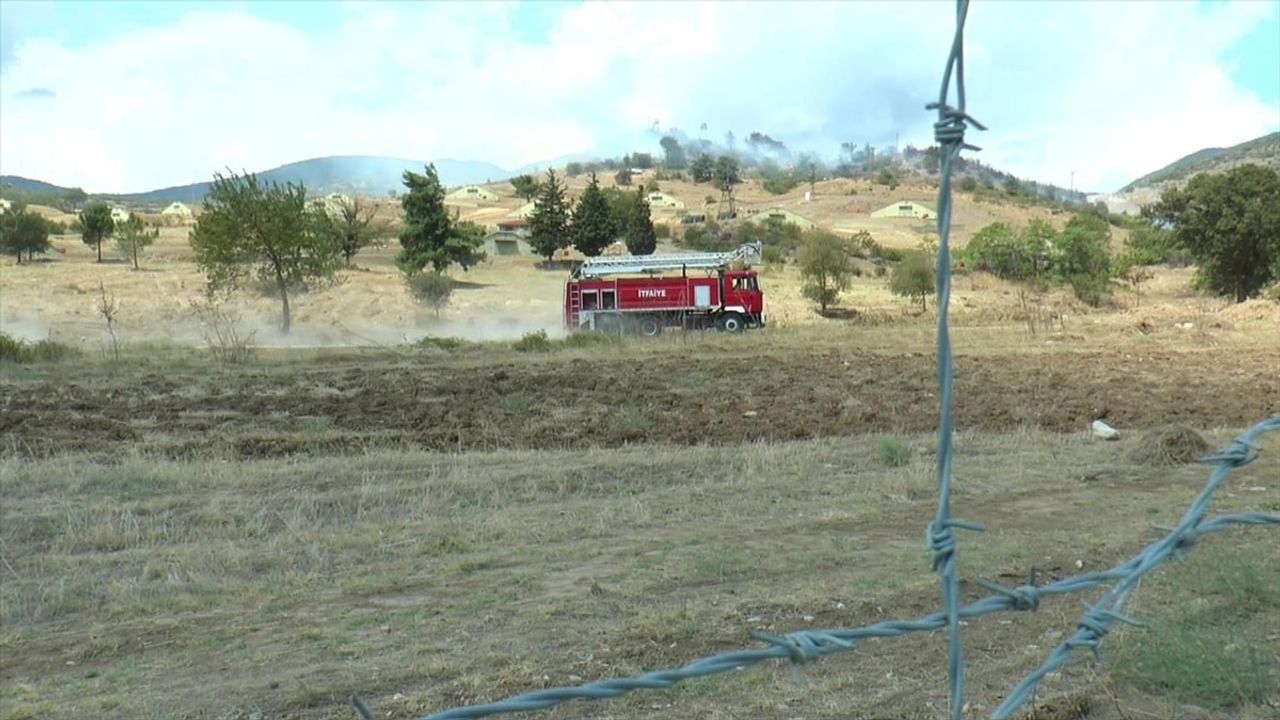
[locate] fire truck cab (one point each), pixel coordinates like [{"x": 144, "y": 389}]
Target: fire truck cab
[{"x": 643, "y": 294}]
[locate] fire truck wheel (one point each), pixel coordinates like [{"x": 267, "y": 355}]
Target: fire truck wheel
[
  {"x": 649, "y": 326},
  {"x": 732, "y": 322}
]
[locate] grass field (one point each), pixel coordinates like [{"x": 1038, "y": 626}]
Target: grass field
[{"x": 443, "y": 522}]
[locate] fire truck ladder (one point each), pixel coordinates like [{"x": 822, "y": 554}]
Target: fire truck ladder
[{"x": 602, "y": 266}]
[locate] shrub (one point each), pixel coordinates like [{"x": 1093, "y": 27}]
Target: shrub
[
  {"x": 431, "y": 287},
  {"x": 15, "y": 350},
  {"x": 536, "y": 341},
  {"x": 893, "y": 451},
  {"x": 443, "y": 343},
  {"x": 50, "y": 351},
  {"x": 12, "y": 349},
  {"x": 662, "y": 230},
  {"x": 589, "y": 339}
]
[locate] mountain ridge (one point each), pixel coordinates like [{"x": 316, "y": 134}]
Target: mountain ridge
[{"x": 352, "y": 174}]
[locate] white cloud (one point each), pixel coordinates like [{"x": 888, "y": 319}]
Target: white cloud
[{"x": 1108, "y": 90}]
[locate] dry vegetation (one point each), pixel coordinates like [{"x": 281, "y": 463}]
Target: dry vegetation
[{"x": 438, "y": 523}]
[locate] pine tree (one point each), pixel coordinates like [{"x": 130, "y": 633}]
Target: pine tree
[
  {"x": 640, "y": 235},
  {"x": 593, "y": 228},
  {"x": 430, "y": 236},
  {"x": 549, "y": 223},
  {"x": 97, "y": 225}
]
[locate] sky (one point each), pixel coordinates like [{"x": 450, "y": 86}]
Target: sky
[{"x": 131, "y": 96}]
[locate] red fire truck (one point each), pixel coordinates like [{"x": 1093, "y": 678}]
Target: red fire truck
[{"x": 645, "y": 293}]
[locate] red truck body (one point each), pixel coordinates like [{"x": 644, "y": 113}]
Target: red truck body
[{"x": 728, "y": 299}]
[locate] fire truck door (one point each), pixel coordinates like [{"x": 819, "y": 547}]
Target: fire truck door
[{"x": 702, "y": 296}]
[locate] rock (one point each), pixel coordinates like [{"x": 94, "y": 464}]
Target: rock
[{"x": 1103, "y": 431}]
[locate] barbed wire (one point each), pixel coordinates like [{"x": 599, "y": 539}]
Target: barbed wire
[
  {"x": 807, "y": 646},
  {"x": 939, "y": 538}
]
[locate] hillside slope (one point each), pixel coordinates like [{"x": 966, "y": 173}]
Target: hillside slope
[{"x": 1264, "y": 150}]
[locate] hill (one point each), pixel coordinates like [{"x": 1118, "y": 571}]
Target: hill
[
  {"x": 1264, "y": 151},
  {"x": 353, "y": 174}
]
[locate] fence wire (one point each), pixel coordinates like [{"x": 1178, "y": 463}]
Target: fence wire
[{"x": 809, "y": 645}]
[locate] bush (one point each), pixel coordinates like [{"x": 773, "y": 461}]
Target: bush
[
  {"x": 662, "y": 230},
  {"x": 533, "y": 342},
  {"x": 893, "y": 451},
  {"x": 431, "y": 287},
  {"x": 443, "y": 343},
  {"x": 968, "y": 184},
  {"x": 14, "y": 350},
  {"x": 589, "y": 339}
]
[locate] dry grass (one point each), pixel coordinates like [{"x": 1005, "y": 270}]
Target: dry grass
[{"x": 148, "y": 588}]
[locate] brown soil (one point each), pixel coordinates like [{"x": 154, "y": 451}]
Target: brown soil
[{"x": 464, "y": 402}]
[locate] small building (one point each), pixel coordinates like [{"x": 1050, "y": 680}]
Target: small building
[
  {"x": 472, "y": 193},
  {"x": 506, "y": 244},
  {"x": 119, "y": 215},
  {"x": 658, "y": 199},
  {"x": 905, "y": 209},
  {"x": 177, "y": 211},
  {"x": 515, "y": 226},
  {"x": 783, "y": 216}
]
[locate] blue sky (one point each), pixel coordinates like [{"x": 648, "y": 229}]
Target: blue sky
[{"x": 131, "y": 96}]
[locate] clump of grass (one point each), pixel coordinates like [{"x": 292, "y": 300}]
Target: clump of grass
[
  {"x": 636, "y": 423},
  {"x": 1202, "y": 647},
  {"x": 533, "y": 342},
  {"x": 588, "y": 339},
  {"x": 893, "y": 451},
  {"x": 442, "y": 343},
  {"x": 15, "y": 350}
]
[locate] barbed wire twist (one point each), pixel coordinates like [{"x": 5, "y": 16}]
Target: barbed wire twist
[{"x": 810, "y": 645}]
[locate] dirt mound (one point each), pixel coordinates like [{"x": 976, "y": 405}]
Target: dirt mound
[{"x": 1170, "y": 445}]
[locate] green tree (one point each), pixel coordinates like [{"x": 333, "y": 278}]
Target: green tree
[
  {"x": 825, "y": 267},
  {"x": 968, "y": 184},
  {"x": 431, "y": 287},
  {"x": 430, "y": 236},
  {"x": 1082, "y": 257},
  {"x": 352, "y": 225},
  {"x": 265, "y": 232},
  {"x": 1230, "y": 224},
  {"x": 726, "y": 173},
  {"x": 132, "y": 237},
  {"x": 526, "y": 186},
  {"x": 640, "y": 235},
  {"x": 22, "y": 231},
  {"x": 1036, "y": 243},
  {"x": 703, "y": 168},
  {"x": 913, "y": 278},
  {"x": 1012, "y": 186},
  {"x": 593, "y": 227},
  {"x": 673, "y": 154},
  {"x": 96, "y": 225},
  {"x": 549, "y": 223},
  {"x": 998, "y": 249},
  {"x": 622, "y": 177}
]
